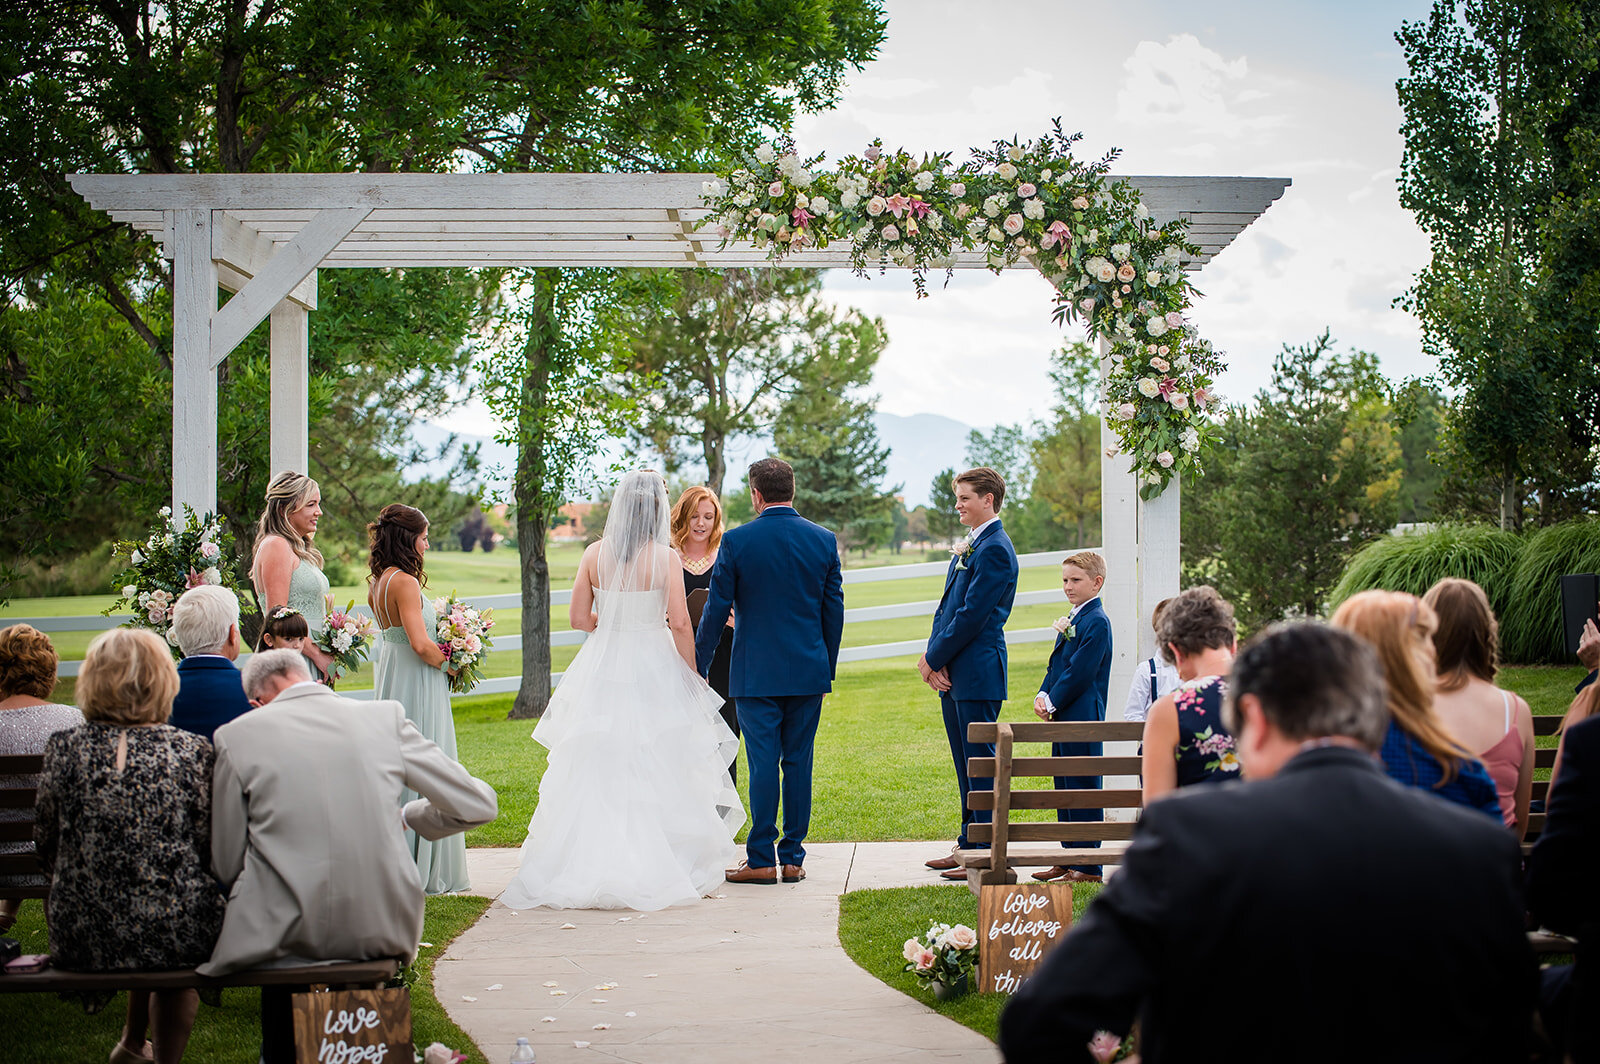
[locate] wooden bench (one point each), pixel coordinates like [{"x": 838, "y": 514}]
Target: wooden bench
[
  {"x": 1543, "y": 725},
  {"x": 996, "y": 864},
  {"x": 341, "y": 975}
]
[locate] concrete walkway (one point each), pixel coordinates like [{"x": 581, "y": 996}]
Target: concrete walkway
[{"x": 756, "y": 973}]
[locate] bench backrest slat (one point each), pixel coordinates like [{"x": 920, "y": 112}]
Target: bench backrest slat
[
  {"x": 1051, "y": 831},
  {"x": 21, "y": 764},
  {"x": 1059, "y": 731}
]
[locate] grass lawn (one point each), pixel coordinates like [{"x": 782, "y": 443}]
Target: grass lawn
[
  {"x": 874, "y": 924},
  {"x": 42, "y": 1029}
]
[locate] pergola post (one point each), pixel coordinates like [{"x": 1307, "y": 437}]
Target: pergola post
[
  {"x": 1119, "y": 532},
  {"x": 194, "y": 373},
  {"x": 291, "y": 373},
  {"x": 1159, "y": 531}
]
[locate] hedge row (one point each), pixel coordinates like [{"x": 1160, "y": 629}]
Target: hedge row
[{"x": 1521, "y": 573}]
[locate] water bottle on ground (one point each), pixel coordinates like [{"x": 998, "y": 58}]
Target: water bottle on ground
[{"x": 523, "y": 1054}]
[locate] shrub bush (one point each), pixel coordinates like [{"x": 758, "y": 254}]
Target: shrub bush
[
  {"x": 1520, "y": 574},
  {"x": 89, "y": 573}
]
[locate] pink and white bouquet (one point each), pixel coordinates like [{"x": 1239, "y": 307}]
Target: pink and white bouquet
[
  {"x": 347, "y": 638},
  {"x": 463, "y": 637},
  {"x": 171, "y": 560},
  {"x": 944, "y": 957}
]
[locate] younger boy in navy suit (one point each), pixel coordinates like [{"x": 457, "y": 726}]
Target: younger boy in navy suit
[{"x": 1074, "y": 688}]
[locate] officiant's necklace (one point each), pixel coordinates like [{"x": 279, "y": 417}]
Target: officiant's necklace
[{"x": 697, "y": 565}]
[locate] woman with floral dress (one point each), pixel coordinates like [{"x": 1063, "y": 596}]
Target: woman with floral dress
[{"x": 1185, "y": 741}]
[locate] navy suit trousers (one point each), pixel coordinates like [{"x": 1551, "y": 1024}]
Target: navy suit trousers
[
  {"x": 780, "y": 731},
  {"x": 957, "y": 715},
  {"x": 1078, "y": 783}
]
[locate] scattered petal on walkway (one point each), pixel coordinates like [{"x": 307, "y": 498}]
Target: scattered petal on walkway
[
  {"x": 602, "y": 1027},
  {"x": 558, "y": 993},
  {"x": 552, "y": 983},
  {"x": 496, "y": 986},
  {"x": 548, "y": 1019},
  {"x": 630, "y": 1015},
  {"x": 565, "y": 927},
  {"x": 581, "y": 1045},
  {"x": 468, "y": 997}
]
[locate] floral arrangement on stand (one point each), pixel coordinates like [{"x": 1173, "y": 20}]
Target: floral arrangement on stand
[
  {"x": 1114, "y": 268},
  {"x": 1107, "y": 1048},
  {"x": 463, "y": 637},
  {"x": 943, "y": 959},
  {"x": 346, "y": 638},
  {"x": 171, "y": 560}
]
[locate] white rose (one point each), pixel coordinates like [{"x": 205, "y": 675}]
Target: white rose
[
  {"x": 1152, "y": 279},
  {"x": 1179, "y": 401},
  {"x": 849, "y": 198},
  {"x": 1015, "y": 154},
  {"x": 769, "y": 222},
  {"x": 1034, "y": 209},
  {"x": 765, "y": 154},
  {"x": 801, "y": 200},
  {"x": 1101, "y": 269},
  {"x": 212, "y": 576},
  {"x": 1080, "y": 203},
  {"x": 961, "y": 937},
  {"x": 1141, "y": 210},
  {"x": 1007, "y": 172},
  {"x": 991, "y": 205},
  {"x": 1166, "y": 459},
  {"x": 819, "y": 205},
  {"x": 876, "y": 205},
  {"x": 135, "y": 558},
  {"x": 923, "y": 180},
  {"x": 1156, "y": 326},
  {"x": 933, "y": 222},
  {"x": 891, "y": 233},
  {"x": 1127, "y": 411},
  {"x": 1013, "y": 224},
  {"x": 712, "y": 189},
  {"x": 958, "y": 189},
  {"x": 1120, "y": 252},
  {"x": 775, "y": 189},
  {"x": 995, "y": 233},
  {"x": 1044, "y": 175},
  {"x": 166, "y": 511},
  {"x": 1148, "y": 387}
]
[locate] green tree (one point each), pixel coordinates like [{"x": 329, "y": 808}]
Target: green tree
[
  {"x": 1303, "y": 479},
  {"x": 1501, "y": 103},
  {"x": 832, "y": 443},
  {"x": 943, "y": 524},
  {"x": 734, "y": 346},
  {"x": 1008, "y": 450},
  {"x": 1066, "y": 453}
]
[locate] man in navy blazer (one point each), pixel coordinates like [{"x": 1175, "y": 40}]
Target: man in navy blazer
[
  {"x": 205, "y": 622},
  {"x": 1074, "y": 688},
  {"x": 779, "y": 575},
  {"x": 965, "y": 661}
]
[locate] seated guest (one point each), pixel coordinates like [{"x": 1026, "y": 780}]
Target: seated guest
[
  {"x": 1154, "y": 677},
  {"x": 1494, "y": 724},
  {"x": 309, "y": 774},
  {"x": 124, "y": 825},
  {"x": 1561, "y": 889},
  {"x": 27, "y": 718},
  {"x": 1185, "y": 741},
  {"x": 1589, "y": 654},
  {"x": 1584, "y": 706},
  {"x": 1317, "y": 912},
  {"x": 1418, "y": 750},
  {"x": 205, "y": 622}
]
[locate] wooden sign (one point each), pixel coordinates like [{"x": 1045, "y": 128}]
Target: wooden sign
[
  {"x": 1017, "y": 926},
  {"x": 353, "y": 1027}
]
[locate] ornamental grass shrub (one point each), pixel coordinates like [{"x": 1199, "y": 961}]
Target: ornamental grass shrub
[{"x": 1521, "y": 574}]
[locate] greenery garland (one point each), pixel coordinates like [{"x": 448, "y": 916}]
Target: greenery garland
[{"x": 1113, "y": 268}]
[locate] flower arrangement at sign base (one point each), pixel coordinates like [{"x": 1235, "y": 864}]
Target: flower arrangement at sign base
[
  {"x": 463, "y": 637},
  {"x": 1107, "y": 1048},
  {"x": 171, "y": 560},
  {"x": 944, "y": 958},
  {"x": 1114, "y": 268},
  {"x": 346, "y": 638}
]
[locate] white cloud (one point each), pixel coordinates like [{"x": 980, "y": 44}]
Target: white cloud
[{"x": 1185, "y": 84}]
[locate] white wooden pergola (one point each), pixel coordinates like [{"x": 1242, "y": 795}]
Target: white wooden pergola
[{"x": 263, "y": 237}]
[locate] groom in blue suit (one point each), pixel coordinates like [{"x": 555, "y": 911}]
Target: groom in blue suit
[
  {"x": 779, "y": 574},
  {"x": 1074, "y": 688},
  {"x": 966, "y": 656}
]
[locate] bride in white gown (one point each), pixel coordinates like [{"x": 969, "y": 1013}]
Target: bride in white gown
[{"x": 636, "y": 809}]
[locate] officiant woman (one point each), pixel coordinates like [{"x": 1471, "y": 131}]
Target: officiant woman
[{"x": 696, "y": 534}]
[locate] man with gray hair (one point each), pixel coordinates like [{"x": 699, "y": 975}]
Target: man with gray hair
[
  {"x": 1319, "y": 912},
  {"x": 308, "y": 833},
  {"x": 205, "y": 625}
]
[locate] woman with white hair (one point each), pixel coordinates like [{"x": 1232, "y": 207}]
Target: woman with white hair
[
  {"x": 287, "y": 569},
  {"x": 636, "y": 808}
]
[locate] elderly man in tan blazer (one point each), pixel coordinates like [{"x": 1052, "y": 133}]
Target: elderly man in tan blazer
[{"x": 307, "y": 828}]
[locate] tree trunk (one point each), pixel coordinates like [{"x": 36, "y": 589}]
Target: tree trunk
[
  {"x": 532, "y": 518},
  {"x": 716, "y": 465}
]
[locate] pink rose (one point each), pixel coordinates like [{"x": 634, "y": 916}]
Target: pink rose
[
  {"x": 1166, "y": 459},
  {"x": 1127, "y": 411},
  {"x": 1080, "y": 203},
  {"x": 912, "y": 950},
  {"x": 1086, "y": 306},
  {"x": 1025, "y": 190},
  {"x": 1179, "y": 401},
  {"x": 961, "y": 937},
  {"x": 872, "y": 153},
  {"x": 1126, "y": 273},
  {"x": 875, "y": 205},
  {"x": 1161, "y": 364},
  {"x": 1103, "y": 1046},
  {"x": 891, "y": 233},
  {"x": 1174, "y": 320},
  {"x": 1013, "y": 224},
  {"x": 775, "y": 189}
]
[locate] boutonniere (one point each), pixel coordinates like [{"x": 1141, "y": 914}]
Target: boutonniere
[
  {"x": 962, "y": 551},
  {"x": 1064, "y": 626}
]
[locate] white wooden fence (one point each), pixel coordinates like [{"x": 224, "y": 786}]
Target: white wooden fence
[{"x": 507, "y": 643}]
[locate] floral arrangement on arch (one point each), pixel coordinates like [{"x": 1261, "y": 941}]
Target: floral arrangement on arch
[
  {"x": 171, "y": 560},
  {"x": 1114, "y": 268},
  {"x": 945, "y": 956}
]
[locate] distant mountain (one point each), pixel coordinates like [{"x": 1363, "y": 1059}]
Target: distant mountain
[{"x": 919, "y": 446}]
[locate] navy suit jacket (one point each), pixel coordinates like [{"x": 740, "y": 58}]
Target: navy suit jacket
[
  {"x": 210, "y": 694},
  {"x": 779, "y": 574},
  {"x": 969, "y": 636},
  {"x": 1565, "y": 860},
  {"x": 1080, "y": 668}
]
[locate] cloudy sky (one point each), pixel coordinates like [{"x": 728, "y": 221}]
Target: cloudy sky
[{"x": 1303, "y": 90}]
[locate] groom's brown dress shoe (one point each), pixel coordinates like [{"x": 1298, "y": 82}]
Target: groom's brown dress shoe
[
  {"x": 747, "y": 874},
  {"x": 1057, "y": 872},
  {"x": 793, "y": 873},
  {"x": 954, "y": 873},
  {"x": 944, "y": 864}
]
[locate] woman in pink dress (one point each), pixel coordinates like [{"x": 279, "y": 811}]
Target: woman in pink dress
[{"x": 1493, "y": 723}]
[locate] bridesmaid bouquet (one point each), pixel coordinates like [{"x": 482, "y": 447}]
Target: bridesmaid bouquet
[
  {"x": 347, "y": 637},
  {"x": 463, "y": 637}
]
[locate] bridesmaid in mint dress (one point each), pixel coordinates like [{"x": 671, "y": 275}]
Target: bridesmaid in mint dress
[
  {"x": 287, "y": 570},
  {"x": 412, "y": 669}
]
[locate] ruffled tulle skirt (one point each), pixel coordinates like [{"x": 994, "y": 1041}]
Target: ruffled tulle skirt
[{"x": 636, "y": 809}]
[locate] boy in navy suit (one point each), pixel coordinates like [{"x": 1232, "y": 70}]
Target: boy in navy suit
[
  {"x": 966, "y": 657},
  {"x": 1074, "y": 688},
  {"x": 779, "y": 575}
]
